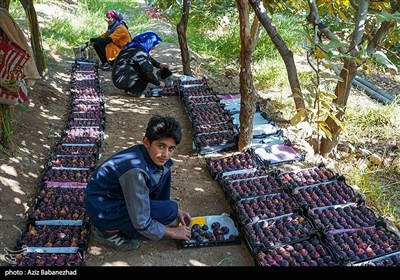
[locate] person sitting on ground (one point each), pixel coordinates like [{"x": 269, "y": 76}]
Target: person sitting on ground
[
  {"x": 109, "y": 44},
  {"x": 133, "y": 68},
  {"x": 128, "y": 195}
]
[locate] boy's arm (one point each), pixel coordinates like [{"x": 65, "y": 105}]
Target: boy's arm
[{"x": 137, "y": 200}]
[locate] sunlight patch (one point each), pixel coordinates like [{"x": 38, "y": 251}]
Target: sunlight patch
[
  {"x": 196, "y": 263},
  {"x": 117, "y": 263},
  {"x": 17, "y": 200},
  {"x": 9, "y": 170},
  {"x": 94, "y": 250},
  {"x": 14, "y": 185},
  {"x": 33, "y": 175}
]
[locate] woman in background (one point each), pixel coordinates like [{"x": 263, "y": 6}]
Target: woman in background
[
  {"x": 109, "y": 44},
  {"x": 133, "y": 68}
]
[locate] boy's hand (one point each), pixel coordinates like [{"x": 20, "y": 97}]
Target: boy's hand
[{"x": 184, "y": 218}]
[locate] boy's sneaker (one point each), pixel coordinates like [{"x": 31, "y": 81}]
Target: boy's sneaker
[
  {"x": 106, "y": 67},
  {"x": 116, "y": 240}
]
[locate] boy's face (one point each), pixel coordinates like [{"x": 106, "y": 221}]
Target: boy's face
[{"x": 161, "y": 150}]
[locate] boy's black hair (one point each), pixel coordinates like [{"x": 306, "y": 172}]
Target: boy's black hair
[{"x": 161, "y": 127}]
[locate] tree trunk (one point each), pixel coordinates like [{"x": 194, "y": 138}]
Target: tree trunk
[
  {"x": 181, "y": 30},
  {"x": 285, "y": 53},
  {"x": 36, "y": 41},
  {"x": 248, "y": 103},
  {"x": 5, "y": 4},
  {"x": 342, "y": 91},
  {"x": 255, "y": 32},
  {"x": 347, "y": 74}
]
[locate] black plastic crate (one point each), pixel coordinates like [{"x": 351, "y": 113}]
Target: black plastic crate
[
  {"x": 307, "y": 253},
  {"x": 73, "y": 161},
  {"x": 46, "y": 210},
  {"x": 362, "y": 244},
  {"x": 215, "y": 142},
  {"x": 54, "y": 174},
  {"x": 210, "y": 231},
  {"x": 248, "y": 188},
  {"x": 325, "y": 194},
  {"x": 278, "y": 231},
  {"x": 61, "y": 194},
  {"x": 306, "y": 177},
  {"x": 243, "y": 175},
  {"x": 53, "y": 236},
  {"x": 343, "y": 216},
  {"x": 233, "y": 163},
  {"x": 68, "y": 149},
  {"x": 28, "y": 257},
  {"x": 264, "y": 207},
  {"x": 389, "y": 260}
]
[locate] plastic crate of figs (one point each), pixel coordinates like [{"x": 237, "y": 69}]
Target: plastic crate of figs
[
  {"x": 82, "y": 75},
  {"x": 250, "y": 210},
  {"x": 87, "y": 123},
  {"x": 167, "y": 91},
  {"x": 85, "y": 66},
  {"x": 306, "y": 253},
  {"x": 88, "y": 107},
  {"x": 239, "y": 189},
  {"x": 213, "y": 128},
  {"x": 64, "y": 204},
  {"x": 55, "y": 236},
  {"x": 343, "y": 216},
  {"x": 70, "y": 174},
  {"x": 215, "y": 142},
  {"x": 238, "y": 175},
  {"x": 209, "y": 117},
  {"x": 214, "y": 230},
  {"x": 362, "y": 244},
  {"x": 71, "y": 149},
  {"x": 84, "y": 135},
  {"x": 32, "y": 257},
  {"x": 61, "y": 194},
  {"x": 92, "y": 83},
  {"x": 283, "y": 230},
  {"x": 306, "y": 177},
  {"x": 73, "y": 161},
  {"x": 389, "y": 260},
  {"x": 234, "y": 163},
  {"x": 189, "y": 82},
  {"x": 200, "y": 101},
  {"x": 83, "y": 94},
  {"x": 326, "y": 194},
  {"x": 87, "y": 101}
]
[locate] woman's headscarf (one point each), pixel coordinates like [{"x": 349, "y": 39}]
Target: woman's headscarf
[
  {"x": 118, "y": 19},
  {"x": 144, "y": 41}
]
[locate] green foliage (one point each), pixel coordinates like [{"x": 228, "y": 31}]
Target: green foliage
[
  {"x": 288, "y": 29},
  {"x": 380, "y": 195},
  {"x": 380, "y": 121}
]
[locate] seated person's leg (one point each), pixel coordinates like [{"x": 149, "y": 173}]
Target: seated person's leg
[
  {"x": 138, "y": 88},
  {"x": 101, "y": 52},
  {"x": 164, "y": 211}
]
